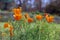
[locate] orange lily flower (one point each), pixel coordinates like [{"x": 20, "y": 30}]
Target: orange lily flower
[
  {"x": 50, "y": 19},
  {"x": 17, "y": 10},
  {"x": 39, "y": 17},
  {"x": 17, "y": 16},
  {"x": 6, "y": 25},
  {"x": 30, "y": 20}
]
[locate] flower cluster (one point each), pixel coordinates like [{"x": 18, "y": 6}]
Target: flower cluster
[
  {"x": 18, "y": 16},
  {"x": 10, "y": 27},
  {"x": 17, "y": 13}
]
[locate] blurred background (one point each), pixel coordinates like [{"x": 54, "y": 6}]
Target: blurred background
[
  {"x": 45, "y": 6},
  {"x": 32, "y": 5}
]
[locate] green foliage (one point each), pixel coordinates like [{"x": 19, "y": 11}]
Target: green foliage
[
  {"x": 37, "y": 12},
  {"x": 39, "y": 30}
]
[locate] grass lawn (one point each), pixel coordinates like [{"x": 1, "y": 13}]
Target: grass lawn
[{"x": 32, "y": 32}]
